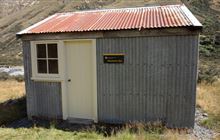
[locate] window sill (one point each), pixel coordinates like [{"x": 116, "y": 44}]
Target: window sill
[{"x": 41, "y": 79}]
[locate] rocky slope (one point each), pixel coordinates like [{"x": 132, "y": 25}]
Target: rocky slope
[{"x": 16, "y": 15}]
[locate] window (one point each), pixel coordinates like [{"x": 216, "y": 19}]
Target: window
[{"x": 47, "y": 58}]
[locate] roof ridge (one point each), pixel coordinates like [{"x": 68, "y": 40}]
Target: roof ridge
[
  {"x": 190, "y": 16},
  {"x": 115, "y": 9}
]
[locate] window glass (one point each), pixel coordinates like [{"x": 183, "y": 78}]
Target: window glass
[
  {"x": 41, "y": 50},
  {"x": 47, "y": 58},
  {"x": 42, "y": 66},
  {"x": 52, "y": 50},
  {"x": 53, "y": 66}
]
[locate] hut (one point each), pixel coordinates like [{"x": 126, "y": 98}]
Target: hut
[{"x": 113, "y": 65}]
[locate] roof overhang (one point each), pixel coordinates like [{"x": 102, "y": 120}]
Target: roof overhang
[{"x": 110, "y": 34}]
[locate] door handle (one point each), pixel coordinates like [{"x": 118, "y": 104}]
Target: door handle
[{"x": 69, "y": 80}]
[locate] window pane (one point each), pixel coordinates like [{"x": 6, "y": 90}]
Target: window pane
[
  {"x": 52, "y": 50},
  {"x": 41, "y": 50},
  {"x": 42, "y": 66},
  {"x": 53, "y": 66}
]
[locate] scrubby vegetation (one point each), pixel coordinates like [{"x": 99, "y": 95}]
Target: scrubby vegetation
[
  {"x": 208, "y": 74},
  {"x": 209, "y": 65},
  {"x": 207, "y": 46},
  {"x": 5, "y": 76},
  {"x": 208, "y": 95}
]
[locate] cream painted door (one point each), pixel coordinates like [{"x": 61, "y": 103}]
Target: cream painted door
[{"x": 81, "y": 76}]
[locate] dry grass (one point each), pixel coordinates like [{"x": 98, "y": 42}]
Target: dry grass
[
  {"x": 140, "y": 3},
  {"x": 208, "y": 97},
  {"x": 176, "y": 135},
  {"x": 11, "y": 90}
]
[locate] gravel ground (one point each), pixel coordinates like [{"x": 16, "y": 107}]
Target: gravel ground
[{"x": 200, "y": 132}]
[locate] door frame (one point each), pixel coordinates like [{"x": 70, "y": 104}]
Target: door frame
[{"x": 64, "y": 91}]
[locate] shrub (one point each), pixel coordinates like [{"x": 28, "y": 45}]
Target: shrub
[
  {"x": 207, "y": 50},
  {"x": 207, "y": 47},
  {"x": 4, "y": 76},
  {"x": 208, "y": 74},
  {"x": 19, "y": 78}
]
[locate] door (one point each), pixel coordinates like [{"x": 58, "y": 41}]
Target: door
[{"x": 81, "y": 76}]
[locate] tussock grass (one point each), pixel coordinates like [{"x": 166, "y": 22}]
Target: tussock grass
[
  {"x": 177, "y": 135},
  {"x": 10, "y": 90},
  {"x": 140, "y": 131},
  {"x": 208, "y": 98}
]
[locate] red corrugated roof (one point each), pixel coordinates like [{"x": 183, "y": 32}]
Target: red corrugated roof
[{"x": 116, "y": 19}]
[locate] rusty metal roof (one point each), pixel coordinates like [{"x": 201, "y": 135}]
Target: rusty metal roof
[{"x": 116, "y": 19}]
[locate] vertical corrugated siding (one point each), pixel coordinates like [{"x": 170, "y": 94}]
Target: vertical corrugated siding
[
  {"x": 156, "y": 82},
  {"x": 43, "y": 98}
]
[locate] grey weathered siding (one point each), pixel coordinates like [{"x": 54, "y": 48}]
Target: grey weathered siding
[
  {"x": 43, "y": 98},
  {"x": 156, "y": 82}
]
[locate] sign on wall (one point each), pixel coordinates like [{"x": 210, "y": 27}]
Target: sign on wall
[{"x": 113, "y": 58}]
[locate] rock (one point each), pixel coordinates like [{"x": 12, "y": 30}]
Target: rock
[{"x": 205, "y": 114}]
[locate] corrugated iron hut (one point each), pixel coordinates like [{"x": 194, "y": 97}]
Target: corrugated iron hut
[{"x": 114, "y": 65}]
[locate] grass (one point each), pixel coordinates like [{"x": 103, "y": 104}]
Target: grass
[
  {"x": 208, "y": 98},
  {"x": 47, "y": 134},
  {"x": 42, "y": 133},
  {"x": 126, "y": 133}
]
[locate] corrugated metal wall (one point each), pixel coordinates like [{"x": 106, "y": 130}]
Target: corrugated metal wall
[
  {"x": 156, "y": 82},
  {"x": 43, "y": 98}
]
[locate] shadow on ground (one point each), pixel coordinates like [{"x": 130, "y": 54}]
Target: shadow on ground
[
  {"x": 105, "y": 129},
  {"x": 13, "y": 115},
  {"x": 12, "y": 110}
]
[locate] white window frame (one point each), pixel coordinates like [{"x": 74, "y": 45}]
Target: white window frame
[{"x": 47, "y": 77}]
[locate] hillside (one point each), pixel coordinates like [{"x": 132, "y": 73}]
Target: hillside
[{"x": 16, "y": 15}]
